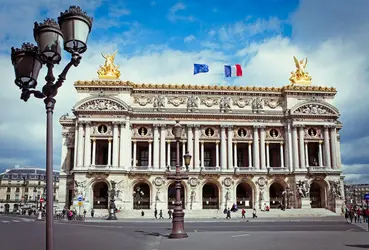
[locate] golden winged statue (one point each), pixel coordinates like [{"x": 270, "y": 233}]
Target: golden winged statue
[
  {"x": 300, "y": 76},
  {"x": 109, "y": 70}
]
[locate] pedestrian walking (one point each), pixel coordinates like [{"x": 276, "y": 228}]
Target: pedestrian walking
[
  {"x": 243, "y": 212},
  {"x": 254, "y": 214},
  {"x": 170, "y": 213},
  {"x": 156, "y": 213},
  {"x": 161, "y": 214},
  {"x": 228, "y": 214},
  {"x": 92, "y": 213}
]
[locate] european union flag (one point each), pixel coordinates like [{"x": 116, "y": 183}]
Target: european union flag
[{"x": 200, "y": 68}]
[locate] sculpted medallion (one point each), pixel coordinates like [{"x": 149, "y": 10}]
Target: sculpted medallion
[{"x": 142, "y": 100}]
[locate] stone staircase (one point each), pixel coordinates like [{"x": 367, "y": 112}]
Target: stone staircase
[{"x": 215, "y": 214}]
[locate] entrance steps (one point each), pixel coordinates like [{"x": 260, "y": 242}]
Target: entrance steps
[{"x": 215, "y": 214}]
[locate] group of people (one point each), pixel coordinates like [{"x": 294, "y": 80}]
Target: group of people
[
  {"x": 234, "y": 209},
  {"x": 357, "y": 214}
]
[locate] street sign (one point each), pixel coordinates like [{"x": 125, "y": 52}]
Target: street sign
[
  {"x": 80, "y": 198},
  {"x": 366, "y": 197},
  {"x": 42, "y": 200},
  {"x": 80, "y": 203}
]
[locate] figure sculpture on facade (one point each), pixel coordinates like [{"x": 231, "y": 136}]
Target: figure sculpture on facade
[
  {"x": 257, "y": 104},
  {"x": 80, "y": 188},
  {"x": 336, "y": 189},
  {"x": 303, "y": 188},
  {"x": 159, "y": 102},
  {"x": 109, "y": 70},
  {"x": 300, "y": 75},
  {"x": 225, "y": 104},
  {"x": 192, "y": 103}
]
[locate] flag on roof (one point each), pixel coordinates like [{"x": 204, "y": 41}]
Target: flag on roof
[
  {"x": 232, "y": 70},
  {"x": 200, "y": 68}
]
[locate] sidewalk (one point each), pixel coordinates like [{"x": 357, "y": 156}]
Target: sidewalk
[{"x": 199, "y": 220}]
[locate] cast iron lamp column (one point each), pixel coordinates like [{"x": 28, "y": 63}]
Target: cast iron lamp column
[
  {"x": 112, "y": 206},
  {"x": 72, "y": 30},
  {"x": 178, "y": 231}
]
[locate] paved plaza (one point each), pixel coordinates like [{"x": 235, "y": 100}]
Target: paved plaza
[{"x": 18, "y": 233}]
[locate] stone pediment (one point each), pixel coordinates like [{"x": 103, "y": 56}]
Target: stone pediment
[
  {"x": 315, "y": 108},
  {"x": 101, "y": 104}
]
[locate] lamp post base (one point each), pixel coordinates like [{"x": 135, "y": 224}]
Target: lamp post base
[
  {"x": 112, "y": 215},
  {"x": 178, "y": 231}
]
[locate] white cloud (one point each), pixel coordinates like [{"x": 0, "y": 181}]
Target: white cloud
[
  {"x": 173, "y": 15},
  {"x": 189, "y": 38}
]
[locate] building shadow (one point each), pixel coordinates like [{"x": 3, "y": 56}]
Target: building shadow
[
  {"x": 155, "y": 234},
  {"x": 358, "y": 246}
]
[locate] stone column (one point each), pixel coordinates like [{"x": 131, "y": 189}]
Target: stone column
[
  {"x": 302, "y": 147},
  {"x": 156, "y": 147},
  {"x": 168, "y": 153},
  {"x": 115, "y": 144},
  {"x": 88, "y": 145},
  {"x": 235, "y": 154},
  {"x": 333, "y": 146},
  {"x": 286, "y": 145},
  {"x": 295, "y": 150},
  {"x": 75, "y": 145},
  {"x": 162, "y": 146},
  {"x": 202, "y": 155},
  {"x": 93, "y": 151},
  {"x": 64, "y": 153},
  {"x": 80, "y": 145},
  {"x": 109, "y": 152},
  {"x": 230, "y": 149},
  {"x": 267, "y": 155},
  {"x": 197, "y": 147},
  {"x": 134, "y": 156},
  {"x": 250, "y": 154},
  {"x": 306, "y": 154},
  {"x": 327, "y": 153},
  {"x": 320, "y": 154},
  {"x": 282, "y": 157},
  {"x": 338, "y": 147},
  {"x": 190, "y": 143},
  {"x": 128, "y": 138},
  {"x": 290, "y": 151},
  {"x": 183, "y": 152},
  {"x": 256, "y": 148},
  {"x": 217, "y": 154},
  {"x": 223, "y": 148},
  {"x": 262, "y": 148},
  {"x": 122, "y": 147},
  {"x": 150, "y": 154}
]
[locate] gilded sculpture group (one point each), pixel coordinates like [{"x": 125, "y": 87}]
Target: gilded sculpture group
[{"x": 110, "y": 71}]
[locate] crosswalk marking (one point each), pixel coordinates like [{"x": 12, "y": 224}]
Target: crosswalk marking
[
  {"x": 16, "y": 221},
  {"x": 5, "y": 221}
]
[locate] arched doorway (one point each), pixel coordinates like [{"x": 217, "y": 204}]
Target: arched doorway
[
  {"x": 244, "y": 195},
  {"x": 7, "y": 208},
  {"x": 210, "y": 196},
  {"x": 276, "y": 195},
  {"x": 15, "y": 207},
  {"x": 172, "y": 195},
  {"x": 141, "y": 196},
  {"x": 101, "y": 195},
  {"x": 316, "y": 195}
]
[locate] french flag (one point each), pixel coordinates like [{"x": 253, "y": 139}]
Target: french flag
[{"x": 232, "y": 70}]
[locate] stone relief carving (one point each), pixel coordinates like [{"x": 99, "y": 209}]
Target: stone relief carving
[
  {"x": 272, "y": 103},
  {"x": 315, "y": 109},
  {"x": 313, "y": 133},
  {"x": 193, "y": 196},
  {"x": 142, "y": 100},
  {"x": 227, "y": 182},
  {"x": 303, "y": 188},
  {"x": 261, "y": 182},
  {"x": 241, "y": 102},
  {"x": 336, "y": 189},
  {"x": 64, "y": 117},
  {"x": 159, "y": 102},
  {"x": 176, "y": 101},
  {"x": 159, "y": 181},
  {"x": 192, "y": 103},
  {"x": 101, "y": 104},
  {"x": 209, "y": 102},
  {"x": 225, "y": 104},
  {"x": 274, "y": 133},
  {"x": 96, "y": 132},
  {"x": 257, "y": 105},
  {"x": 193, "y": 182},
  {"x": 118, "y": 190}
]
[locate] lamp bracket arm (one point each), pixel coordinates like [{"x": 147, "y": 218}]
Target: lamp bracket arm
[
  {"x": 26, "y": 94},
  {"x": 75, "y": 60}
]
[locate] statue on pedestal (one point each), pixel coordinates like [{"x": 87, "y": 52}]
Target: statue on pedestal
[{"x": 300, "y": 76}]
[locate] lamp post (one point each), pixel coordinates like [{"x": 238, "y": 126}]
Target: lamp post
[
  {"x": 72, "y": 29},
  {"x": 112, "y": 206},
  {"x": 178, "y": 231}
]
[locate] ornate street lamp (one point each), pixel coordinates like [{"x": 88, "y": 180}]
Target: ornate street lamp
[
  {"x": 178, "y": 231},
  {"x": 71, "y": 30},
  {"x": 112, "y": 206},
  {"x": 187, "y": 160}
]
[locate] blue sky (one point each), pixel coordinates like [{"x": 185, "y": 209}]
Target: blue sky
[{"x": 158, "y": 42}]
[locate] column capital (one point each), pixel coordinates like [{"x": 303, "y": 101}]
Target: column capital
[
  {"x": 329, "y": 126},
  {"x": 320, "y": 142},
  {"x": 156, "y": 126},
  {"x": 163, "y": 126},
  {"x": 216, "y": 142},
  {"x": 298, "y": 125},
  {"x": 149, "y": 141},
  {"x": 134, "y": 141},
  {"x": 223, "y": 127},
  {"x": 81, "y": 122},
  {"x": 115, "y": 124},
  {"x": 250, "y": 142},
  {"x": 235, "y": 143},
  {"x": 93, "y": 139},
  {"x": 110, "y": 139},
  {"x": 196, "y": 126},
  {"x": 202, "y": 142},
  {"x": 88, "y": 123},
  {"x": 282, "y": 142},
  {"x": 169, "y": 141},
  {"x": 189, "y": 125},
  {"x": 305, "y": 142},
  {"x": 65, "y": 134},
  {"x": 267, "y": 143},
  {"x": 262, "y": 127}
]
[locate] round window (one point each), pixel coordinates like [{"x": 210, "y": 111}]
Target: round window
[
  {"x": 102, "y": 129},
  {"x": 241, "y": 132},
  {"x": 209, "y": 132}
]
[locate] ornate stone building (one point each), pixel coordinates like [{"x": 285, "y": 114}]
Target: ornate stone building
[{"x": 253, "y": 146}]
